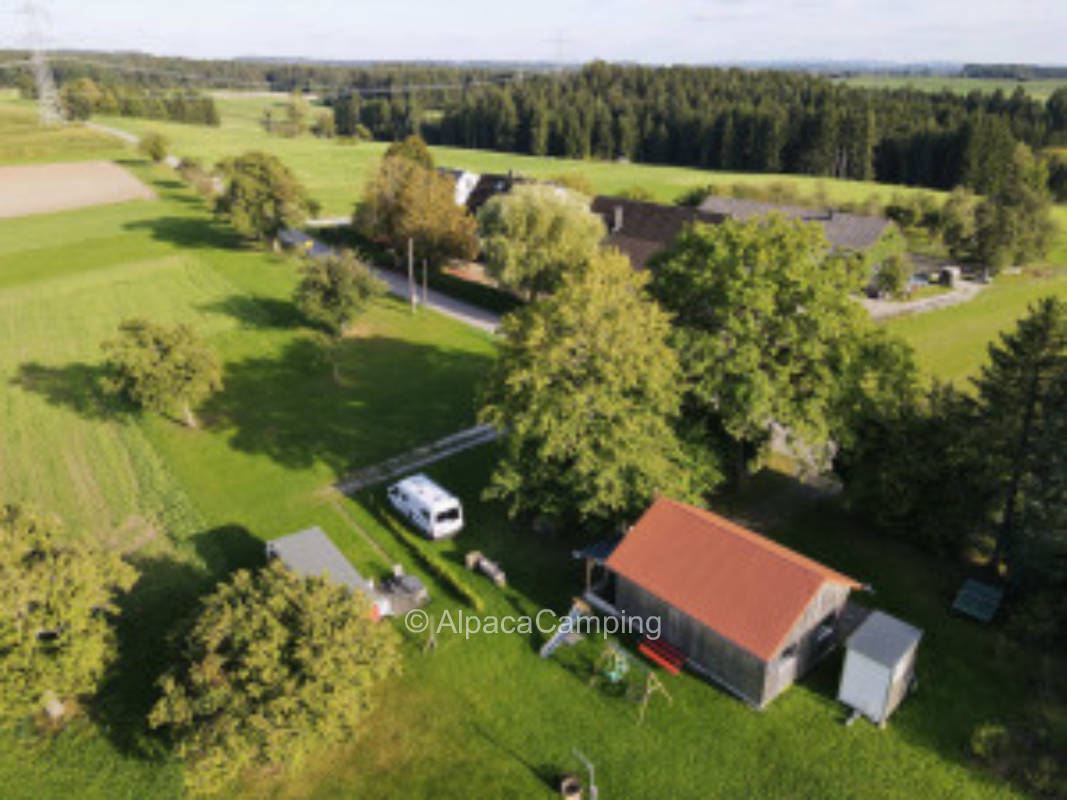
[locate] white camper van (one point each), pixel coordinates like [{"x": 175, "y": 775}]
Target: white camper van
[{"x": 427, "y": 506}]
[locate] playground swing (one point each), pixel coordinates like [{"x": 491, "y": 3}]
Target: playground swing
[{"x": 614, "y": 665}]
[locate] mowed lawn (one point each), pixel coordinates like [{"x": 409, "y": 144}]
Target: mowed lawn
[{"x": 951, "y": 344}]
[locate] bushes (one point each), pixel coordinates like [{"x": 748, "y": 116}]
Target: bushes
[
  {"x": 154, "y": 145},
  {"x": 193, "y": 173},
  {"x": 433, "y": 561},
  {"x": 477, "y": 294}
]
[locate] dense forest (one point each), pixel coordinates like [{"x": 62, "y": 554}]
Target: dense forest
[{"x": 761, "y": 121}]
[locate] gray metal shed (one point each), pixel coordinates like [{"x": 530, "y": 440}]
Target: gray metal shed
[
  {"x": 879, "y": 666},
  {"x": 311, "y": 553}
]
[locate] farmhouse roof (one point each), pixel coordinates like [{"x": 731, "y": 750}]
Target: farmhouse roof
[
  {"x": 851, "y": 231},
  {"x": 640, "y": 230},
  {"x": 489, "y": 185},
  {"x": 310, "y": 553},
  {"x": 743, "y": 586}
]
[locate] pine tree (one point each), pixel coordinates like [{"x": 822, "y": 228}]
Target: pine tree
[{"x": 1016, "y": 390}]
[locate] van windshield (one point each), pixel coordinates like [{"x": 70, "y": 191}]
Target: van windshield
[{"x": 448, "y": 516}]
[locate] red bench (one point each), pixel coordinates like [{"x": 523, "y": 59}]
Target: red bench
[{"x": 670, "y": 658}]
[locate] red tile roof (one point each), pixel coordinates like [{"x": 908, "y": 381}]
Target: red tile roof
[{"x": 743, "y": 586}]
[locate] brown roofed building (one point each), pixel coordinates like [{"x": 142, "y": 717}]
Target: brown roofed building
[
  {"x": 640, "y": 230},
  {"x": 744, "y": 611}
]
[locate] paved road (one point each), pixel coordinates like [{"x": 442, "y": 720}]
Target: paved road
[
  {"x": 171, "y": 161},
  {"x": 964, "y": 292},
  {"x": 443, "y": 304}
]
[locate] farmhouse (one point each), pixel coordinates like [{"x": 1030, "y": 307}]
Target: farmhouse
[
  {"x": 746, "y": 612},
  {"x": 473, "y": 190},
  {"x": 843, "y": 231},
  {"x": 640, "y": 230}
]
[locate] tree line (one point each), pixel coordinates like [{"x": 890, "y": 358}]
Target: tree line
[
  {"x": 761, "y": 121},
  {"x": 158, "y": 72},
  {"x": 1020, "y": 72},
  {"x": 83, "y": 97}
]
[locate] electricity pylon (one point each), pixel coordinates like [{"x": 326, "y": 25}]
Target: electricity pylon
[{"x": 48, "y": 107}]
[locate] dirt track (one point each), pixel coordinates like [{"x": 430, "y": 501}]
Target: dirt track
[{"x": 43, "y": 188}]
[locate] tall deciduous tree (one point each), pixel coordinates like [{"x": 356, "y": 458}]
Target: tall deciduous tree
[
  {"x": 275, "y": 666},
  {"x": 334, "y": 289},
  {"x": 403, "y": 201},
  {"x": 56, "y": 611},
  {"x": 413, "y": 148},
  {"x": 586, "y": 390},
  {"x": 765, "y": 325},
  {"x": 163, "y": 369},
  {"x": 1020, "y": 399},
  {"x": 535, "y": 234},
  {"x": 262, "y": 196}
]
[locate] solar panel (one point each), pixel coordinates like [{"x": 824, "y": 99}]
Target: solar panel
[{"x": 978, "y": 600}]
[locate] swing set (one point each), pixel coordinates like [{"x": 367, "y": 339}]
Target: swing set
[{"x": 613, "y": 665}]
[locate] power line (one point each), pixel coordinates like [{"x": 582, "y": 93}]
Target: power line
[
  {"x": 48, "y": 108},
  {"x": 224, "y": 82}
]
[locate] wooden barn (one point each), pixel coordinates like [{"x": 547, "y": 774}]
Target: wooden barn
[{"x": 746, "y": 612}]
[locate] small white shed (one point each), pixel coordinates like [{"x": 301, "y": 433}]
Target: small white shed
[{"x": 879, "y": 666}]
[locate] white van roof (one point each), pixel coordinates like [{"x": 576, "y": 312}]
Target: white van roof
[{"x": 428, "y": 493}]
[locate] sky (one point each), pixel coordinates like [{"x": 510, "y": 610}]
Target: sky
[{"x": 651, "y": 31}]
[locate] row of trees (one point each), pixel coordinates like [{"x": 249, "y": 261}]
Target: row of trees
[
  {"x": 435, "y": 81},
  {"x": 760, "y": 121},
  {"x": 83, "y": 97},
  {"x": 271, "y": 667}
]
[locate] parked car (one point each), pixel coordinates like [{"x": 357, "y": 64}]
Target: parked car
[{"x": 432, "y": 510}]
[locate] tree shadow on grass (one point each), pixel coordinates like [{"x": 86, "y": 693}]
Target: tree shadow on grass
[
  {"x": 548, "y": 774},
  {"x": 152, "y": 617},
  {"x": 228, "y": 548},
  {"x": 195, "y": 232},
  {"x": 74, "y": 386},
  {"x": 345, "y": 405},
  {"x": 257, "y": 311},
  {"x": 163, "y": 598}
]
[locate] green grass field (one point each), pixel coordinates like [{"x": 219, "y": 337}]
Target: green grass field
[
  {"x": 23, "y": 142},
  {"x": 1039, "y": 89},
  {"x": 478, "y": 718},
  {"x": 951, "y": 343}
]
